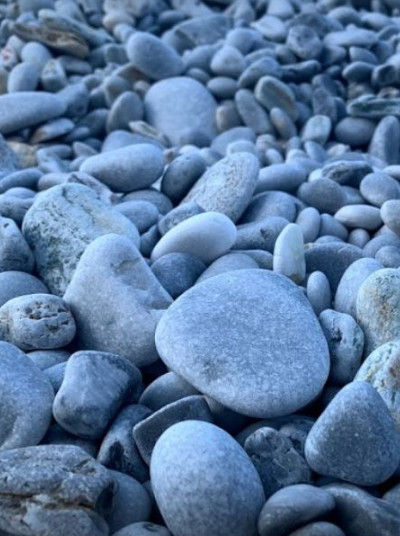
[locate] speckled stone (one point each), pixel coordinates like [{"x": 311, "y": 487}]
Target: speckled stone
[
  {"x": 381, "y": 369},
  {"x": 355, "y": 438},
  {"x": 194, "y": 467},
  {"x": 227, "y": 186},
  {"x": 378, "y": 308},
  {"x": 216, "y": 353},
  {"x": 61, "y": 223}
]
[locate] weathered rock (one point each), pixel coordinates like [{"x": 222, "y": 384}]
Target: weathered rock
[
  {"x": 116, "y": 300},
  {"x": 61, "y": 223}
]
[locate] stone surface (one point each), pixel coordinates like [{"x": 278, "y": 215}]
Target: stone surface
[
  {"x": 129, "y": 168},
  {"x": 28, "y": 108},
  {"x": 350, "y": 283},
  {"x": 118, "y": 451},
  {"x": 13, "y": 284},
  {"x": 378, "y": 308},
  {"x": 15, "y": 254},
  {"x": 147, "y": 432},
  {"x": 293, "y": 506},
  {"x": 61, "y": 223},
  {"x": 152, "y": 57},
  {"x": 194, "y": 467},
  {"x": 217, "y": 353},
  {"x": 178, "y": 106},
  {"x": 25, "y": 413},
  {"x": 116, "y": 300},
  {"x": 53, "y": 489},
  {"x": 346, "y": 343},
  {"x": 355, "y": 438},
  {"x": 94, "y": 387},
  {"x": 37, "y": 321},
  {"x": 362, "y": 514},
  {"x": 206, "y": 236},
  {"x": 227, "y": 186},
  {"x": 289, "y": 259},
  {"x": 381, "y": 369},
  {"x": 276, "y": 459}
]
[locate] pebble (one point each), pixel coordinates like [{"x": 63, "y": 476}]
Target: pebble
[
  {"x": 289, "y": 258},
  {"x": 95, "y": 385},
  {"x": 276, "y": 459},
  {"x": 141, "y": 213},
  {"x": 380, "y": 370},
  {"x": 177, "y": 272},
  {"x": 309, "y": 222},
  {"x": 206, "y": 236},
  {"x": 15, "y": 254},
  {"x": 194, "y": 467},
  {"x": 23, "y": 77},
  {"x": 147, "y": 431},
  {"x": 153, "y": 57},
  {"x": 355, "y": 438},
  {"x": 61, "y": 484},
  {"x": 130, "y": 168},
  {"x": 61, "y": 223},
  {"x": 228, "y": 263},
  {"x": 224, "y": 363},
  {"x": 180, "y": 106},
  {"x": 273, "y": 93},
  {"x": 270, "y": 204},
  {"x": 26, "y": 414},
  {"x": 360, "y": 216},
  {"x": 285, "y": 177},
  {"x": 144, "y": 529},
  {"x": 260, "y": 234},
  {"x": 377, "y": 308},
  {"x": 346, "y": 343},
  {"x": 23, "y": 109},
  {"x": 323, "y": 194},
  {"x": 319, "y": 292},
  {"x": 379, "y": 187},
  {"x": 37, "y": 322},
  {"x": 227, "y": 186},
  {"x": 390, "y": 215},
  {"x": 14, "y": 284},
  {"x": 292, "y": 506},
  {"x": 116, "y": 300},
  {"x": 332, "y": 259},
  {"x": 181, "y": 174},
  {"x": 389, "y": 256},
  {"x": 131, "y": 502},
  {"x": 167, "y": 388},
  {"x": 319, "y": 528},
  {"x": 362, "y": 514},
  {"x": 350, "y": 283},
  {"x": 117, "y": 450}
]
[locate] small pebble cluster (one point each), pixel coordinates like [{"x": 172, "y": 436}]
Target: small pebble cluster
[{"x": 200, "y": 267}]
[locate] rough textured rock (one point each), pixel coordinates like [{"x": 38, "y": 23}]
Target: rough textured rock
[
  {"x": 37, "y": 322},
  {"x": 53, "y": 489},
  {"x": 227, "y": 186},
  {"x": 378, "y": 308},
  {"x": 61, "y": 223}
]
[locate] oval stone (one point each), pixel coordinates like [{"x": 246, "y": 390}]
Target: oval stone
[
  {"x": 236, "y": 338},
  {"x": 178, "y": 105},
  {"x": 195, "y": 468}
]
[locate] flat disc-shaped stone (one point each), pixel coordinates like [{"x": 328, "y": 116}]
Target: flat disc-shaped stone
[{"x": 248, "y": 339}]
